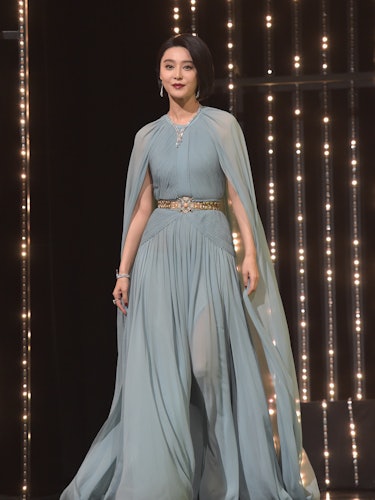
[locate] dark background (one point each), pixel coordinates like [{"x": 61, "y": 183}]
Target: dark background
[{"x": 93, "y": 84}]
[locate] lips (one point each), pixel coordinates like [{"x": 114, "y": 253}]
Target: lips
[{"x": 178, "y": 86}]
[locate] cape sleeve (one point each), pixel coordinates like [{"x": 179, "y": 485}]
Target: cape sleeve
[
  {"x": 137, "y": 168},
  {"x": 264, "y": 309}
]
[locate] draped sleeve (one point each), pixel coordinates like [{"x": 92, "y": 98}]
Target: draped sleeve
[
  {"x": 264, "y": 309},
  {"x": 137, "y": 168}
]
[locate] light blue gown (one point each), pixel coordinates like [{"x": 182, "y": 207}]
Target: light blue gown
[{"x": 190, "y": 414}]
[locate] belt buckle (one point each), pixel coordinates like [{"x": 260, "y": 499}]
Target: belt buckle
[{"x": 185, "y": 204}]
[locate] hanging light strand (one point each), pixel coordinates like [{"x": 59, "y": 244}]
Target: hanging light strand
[
  {"x": 193, "y": 10},
  {"x": 328, "y": 216},
  {"x": 354, "y": 165},
  {"x": 23, "y": 44},
  {"x": 176, "y": 16},
  {"x": 230, "y": 50},
  {"x": 270, "y": 141},
  {"x": 300, "y": 217},
  {"x": 327, "y": 479},
  {"x": 353, "y": 436}
]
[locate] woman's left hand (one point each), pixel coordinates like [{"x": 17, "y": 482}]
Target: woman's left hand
[{"x": 250, "y": 273}]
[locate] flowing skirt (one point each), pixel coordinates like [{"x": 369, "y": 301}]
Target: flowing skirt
[{"x": 190, "y": 416}]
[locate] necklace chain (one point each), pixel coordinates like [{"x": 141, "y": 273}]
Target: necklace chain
[{"x": 180, "y": 129}]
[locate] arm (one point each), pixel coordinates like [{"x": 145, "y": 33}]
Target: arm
[
  {"x": 141, "y": 214},
  {"x": 249, "y": 268}
]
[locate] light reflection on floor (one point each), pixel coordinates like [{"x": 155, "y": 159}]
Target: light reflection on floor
[{"x": 348, "y": 495}]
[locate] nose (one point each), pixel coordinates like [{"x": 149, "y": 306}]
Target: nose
[{"x": 177, "y": 73}]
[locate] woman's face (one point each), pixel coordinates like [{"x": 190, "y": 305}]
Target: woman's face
[{"x": 178, "y": 74}]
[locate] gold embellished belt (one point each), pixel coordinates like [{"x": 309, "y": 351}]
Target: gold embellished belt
[{"x": 187, "y": 204}]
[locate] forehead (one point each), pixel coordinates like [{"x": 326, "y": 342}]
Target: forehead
[{"x": 177, "y": 54}]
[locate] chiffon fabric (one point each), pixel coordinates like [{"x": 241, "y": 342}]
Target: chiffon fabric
[{"x": 201, "y": 365}]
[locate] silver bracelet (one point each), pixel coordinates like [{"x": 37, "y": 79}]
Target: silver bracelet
[{"x": 122, "y": 275}]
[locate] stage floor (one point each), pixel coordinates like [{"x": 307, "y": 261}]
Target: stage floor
[
  {"x": 332, "y": 495},
  {"x": 348, "y": 495}
]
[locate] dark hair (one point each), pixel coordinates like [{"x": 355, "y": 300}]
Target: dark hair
[{"x": 200, "y": 55}]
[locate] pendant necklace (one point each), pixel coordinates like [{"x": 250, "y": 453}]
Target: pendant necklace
[{"x": 180, "y": 129}]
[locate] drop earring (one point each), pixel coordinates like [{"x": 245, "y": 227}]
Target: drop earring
[
  {"x": 161, "y": 90},
  {"x": 197, "y": 94}
]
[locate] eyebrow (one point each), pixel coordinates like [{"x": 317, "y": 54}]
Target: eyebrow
[{"x": 172, "y": 60}]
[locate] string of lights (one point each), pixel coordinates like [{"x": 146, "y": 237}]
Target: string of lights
[
  {"x": 176, "y": 17},
  {"x": 270, "y": 143},
  {"x": 300, "y": 217},
  {"x": 193, "y": 10},
  {"x": 23, "y": 44},
  {"x": 353, "y": 435},
  {"x": 328, "y": 217},
  {"x": 327, "y": 479},
  {"x": 358, "y": 350},
  {"x": 230, "y": 47}
]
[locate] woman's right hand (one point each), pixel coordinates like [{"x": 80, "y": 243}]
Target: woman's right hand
[{"x": 120, "y": 294}]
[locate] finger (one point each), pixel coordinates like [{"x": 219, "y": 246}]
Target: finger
[
  {"x": 246, "y": 280},
  {"x": 121, "y": 301},
  {"x": 252, "y": 285},
  {"x": 122, "y": 306}
]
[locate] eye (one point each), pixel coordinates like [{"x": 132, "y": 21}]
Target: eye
[
  {"x": 188, "y": 67},
  {"x": 168, "y": 66}
]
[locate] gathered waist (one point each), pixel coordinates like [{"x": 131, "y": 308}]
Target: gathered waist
[{"x": 187, "y": 204}]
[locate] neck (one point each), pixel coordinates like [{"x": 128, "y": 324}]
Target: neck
[{"x": 182, "y": 112}]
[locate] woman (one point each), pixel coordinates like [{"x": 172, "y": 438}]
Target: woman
[{"x": 190, "y": 416}]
